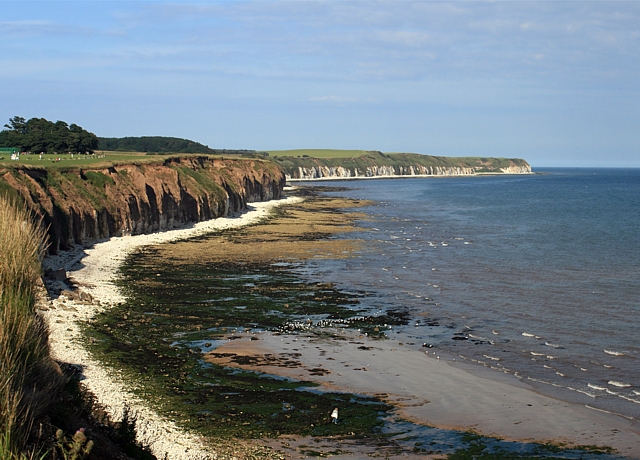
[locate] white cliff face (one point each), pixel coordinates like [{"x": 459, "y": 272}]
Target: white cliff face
[
  {"x": 515, "y": 169},
  {"x": 339, "y": 172}
]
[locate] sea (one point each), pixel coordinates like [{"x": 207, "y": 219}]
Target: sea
[{"x": 533, "y": 276}]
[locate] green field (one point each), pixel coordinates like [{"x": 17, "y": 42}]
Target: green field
[
  {"x": 317, "y": 153},
  {"x": 99, "y": 160}
]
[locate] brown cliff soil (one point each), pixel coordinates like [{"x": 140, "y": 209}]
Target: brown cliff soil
[{"x": 81, "y": 206}]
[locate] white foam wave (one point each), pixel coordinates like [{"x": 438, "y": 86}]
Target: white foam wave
[
  {"x": 527, "y": 334},
  {"x": 614, "y": 353},
  {"x": 619, "y": 384},
  {"x": 552, "y": 345},
  {"x": 491, "y": 358},
  {"x": 630, "y": 399},
  {"x": 477, "y": 337},
  {"x": 596, "y": 387},
  {"x": 536, "y": 354}
]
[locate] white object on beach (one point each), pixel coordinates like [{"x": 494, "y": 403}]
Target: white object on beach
[{"x": 334, "y": 415}]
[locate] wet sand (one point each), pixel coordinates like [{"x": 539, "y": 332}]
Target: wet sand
[{"x": 431, "y": 390}]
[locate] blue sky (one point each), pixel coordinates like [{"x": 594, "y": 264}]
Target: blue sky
[{"x": 557, "y": 83}]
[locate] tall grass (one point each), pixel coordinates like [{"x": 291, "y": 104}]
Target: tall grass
[{"x": 29, "y": 378}]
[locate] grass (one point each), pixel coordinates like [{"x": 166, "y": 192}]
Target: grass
[
  {"x": 49, "y": 161},
  {"x": 102, "y": 159},
  {"x": 28, "y": 377},
  {"x": 318, "y": 153}
]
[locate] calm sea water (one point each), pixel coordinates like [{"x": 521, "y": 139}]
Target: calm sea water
[{"x": 535, "y": 276}]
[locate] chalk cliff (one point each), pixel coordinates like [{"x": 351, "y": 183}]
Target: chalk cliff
[
  {"x": 81, "y": 206},
  {"x": 378, "y": 164}
]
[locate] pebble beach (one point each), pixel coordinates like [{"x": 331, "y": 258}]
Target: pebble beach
[{"x": 93, "y": 270}]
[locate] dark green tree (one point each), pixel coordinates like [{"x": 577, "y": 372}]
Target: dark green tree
[{"x": 40, "y": 135}]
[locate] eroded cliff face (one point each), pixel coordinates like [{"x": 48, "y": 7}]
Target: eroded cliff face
[
  {"x": 81, "y": 206},
  {"x": 377, "y": 164},
  {"x": 329, "y": 172}
]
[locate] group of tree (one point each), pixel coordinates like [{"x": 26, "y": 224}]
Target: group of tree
[
  {"x": 163, "y": 145},
  {"x": 39, "y": 135},
  {"x": 156, "y": 144}
]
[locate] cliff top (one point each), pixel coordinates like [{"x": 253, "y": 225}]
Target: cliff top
[{"x": 101, "y": 159}]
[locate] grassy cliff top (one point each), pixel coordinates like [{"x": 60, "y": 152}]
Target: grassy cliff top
[
  {"x": 318, "y": 153},
  {"x": 102, "y": 159}
]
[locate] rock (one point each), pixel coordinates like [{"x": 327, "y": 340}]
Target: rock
[
  {"x": 85, "y": 297},
  {"x": 69, "y": 294},
  {"x": 56, "y": 275}
]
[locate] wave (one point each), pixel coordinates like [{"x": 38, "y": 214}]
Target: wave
[
  {"x": 477, "y": 337},
  {"x": 615, "y": 353},
  {"x": 552, "y": 345},
  {"x": 608, "y": 412},
  {"x": 619, "y": 384},
  {"x": 527, "y": 334},
  {"x": 630, "y": 399},
  {"x": 596, "y": 387}
]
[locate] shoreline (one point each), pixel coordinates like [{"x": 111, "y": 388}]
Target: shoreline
[
  {"x": 429, "y": 388},
  {"x": 426, "y": 389},
  {"x": 408, "y": 176},
  {"x": 93, "y": 270}
]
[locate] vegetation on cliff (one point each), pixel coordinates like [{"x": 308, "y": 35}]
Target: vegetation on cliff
[
  {"x": 157, "y": 144},
  {"x": 162, "y": 145},
  {"x": 29, "y": 379},
  {"x": 39, "y": 135}
]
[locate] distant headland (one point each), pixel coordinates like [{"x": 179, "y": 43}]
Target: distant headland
[{"x": 316, "y": 164}]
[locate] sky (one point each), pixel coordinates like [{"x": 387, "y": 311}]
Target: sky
[{"x": 554, "y": 82}]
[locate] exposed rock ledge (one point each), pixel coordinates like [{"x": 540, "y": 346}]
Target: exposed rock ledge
[{"x": 81, "y": 206}]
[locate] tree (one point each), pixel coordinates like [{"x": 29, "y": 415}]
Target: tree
[{"x": 41, "y": 135}]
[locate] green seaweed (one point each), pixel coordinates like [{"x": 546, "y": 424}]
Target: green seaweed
[{"x": 173, "y": 314}]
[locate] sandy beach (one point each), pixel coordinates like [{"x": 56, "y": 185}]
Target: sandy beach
[
  {"x": 431, "y": 389},
  {"x": 427, "y": 388}
]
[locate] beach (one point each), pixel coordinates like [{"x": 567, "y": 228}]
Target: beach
[
  {"x": 432, "y": 389},
  {"x": 427, "y": 387},
  {"x": 93, "y": 270}
]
